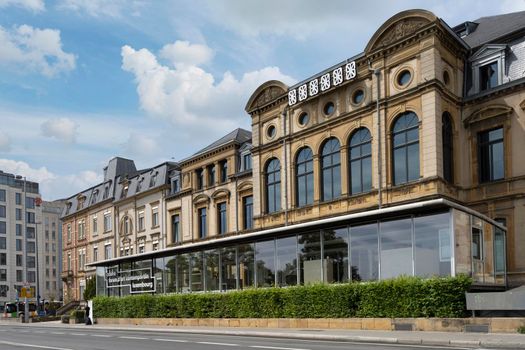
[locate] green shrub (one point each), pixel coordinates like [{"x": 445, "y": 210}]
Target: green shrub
[
  {"x": 521, "y": 329},
  {"x": 400, "y": 297}
]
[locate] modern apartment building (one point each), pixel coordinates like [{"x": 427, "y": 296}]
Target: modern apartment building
[
  {"x": 21, "y": 236},
  {"x": 402, "y": 159}
]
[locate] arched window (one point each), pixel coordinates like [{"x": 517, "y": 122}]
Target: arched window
[
  {"x": 331, "y": 169},
  {"x": 273, "y": 185},
  {"x": 360, "y": 159},
  {"x": 305, "y": 177},
  {"x": 446, "y": 132},
  {"x": 405, "y": 148}
]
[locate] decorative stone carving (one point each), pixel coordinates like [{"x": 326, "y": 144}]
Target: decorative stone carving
[
  {"x": 522, "y": 105},
  {"x": 402, "y": 29},
  {"x": 268, "y": 95}
]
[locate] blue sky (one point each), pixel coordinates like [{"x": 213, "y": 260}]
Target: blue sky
[{"x": 82, "y": 81}]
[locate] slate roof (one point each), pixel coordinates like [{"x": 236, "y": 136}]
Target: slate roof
[
  {"x": 493, "y": 27},
  {"x": 238, "y": 135}
]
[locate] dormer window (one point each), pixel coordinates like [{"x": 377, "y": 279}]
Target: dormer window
[
  {"x": 94, "y": 196},
  {"x": 153, "y": 179},
  {"x": 139, "y": 185},
  {"x": 246, "y": 161},
  {"x": 488, "y": 76},
  {"x": 106, "y": 190},
  {"x": 175, "y": 183},
  {"x": 125, "y": 188},
  {"x": 488, "y": 65}
]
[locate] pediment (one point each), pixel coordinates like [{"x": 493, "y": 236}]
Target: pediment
[
  {"x": 201, "y": 198},
  {"x": 488, "y": 112},
  {"x": 399, "y": 26},
  {"x": 266, "y": 93},
  {"x": 488, "y": 50},
  {"x": 245, "y": 186},
  {"x": 221, "y": 193}
]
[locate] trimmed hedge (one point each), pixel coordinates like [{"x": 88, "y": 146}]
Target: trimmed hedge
[{"x": 400, "y": 297}]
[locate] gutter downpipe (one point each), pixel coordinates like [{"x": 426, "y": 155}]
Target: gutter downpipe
[
  {"x": 284, "y": 115},
  {"x": 377, "y": 73}
]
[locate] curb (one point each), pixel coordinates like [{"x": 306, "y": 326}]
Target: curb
[{"x": 319, "y": 337}]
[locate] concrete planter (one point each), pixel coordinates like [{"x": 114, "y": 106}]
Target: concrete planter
[{"x": 495, "y": 325}]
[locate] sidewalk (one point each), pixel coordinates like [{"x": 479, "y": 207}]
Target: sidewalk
[{"x": 452, "y": 339}]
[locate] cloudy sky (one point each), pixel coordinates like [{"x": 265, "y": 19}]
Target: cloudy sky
[{"x": 82, "y": 81}]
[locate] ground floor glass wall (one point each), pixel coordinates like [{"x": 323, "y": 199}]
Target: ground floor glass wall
[{"x": 420, "y": 245}]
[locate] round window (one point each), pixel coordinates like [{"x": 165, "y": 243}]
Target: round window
[
  {"x": 446, "y": 77},
  {"x": 304, "y": 118},
  {"x": 358, "y": 96},
  {"x": 329, "y": 108},
  {"x": 270, "y": 132},
  {"x": 404, "y": 77}
]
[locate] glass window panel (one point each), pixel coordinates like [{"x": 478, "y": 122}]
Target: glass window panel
[
  {"x": 355, "y": 176},
  {"x": 310, "y": 189},
  {"x": 158, "y": 272},
  {"x": 246, "y": 265},
  {"x": 399, "y": 139},
  {"x": 433, "y": 245},
  {"x": 196, "y": 272},
  {"x": 212, "y": 270},
  {"x": 309, "y": 248},
  {"x": 413, "y": 162},
  {"x": 335, "y": 262},
  {"x": 286, "y": 261},
  {"x": 364, "y": 252},
  {"x": 327, "y": 185},
  {"x": 228, "y": 268},
  {"x": 400, "y": 172},
  {"x": 412, "y": 135},
  {"x": 396, "y": 248},
  {"x": 367, "y": 174},
  {"x": 265, "y": 261},
  {"x": 170, "y": 275},
  {"x": 337, "y": 182},
  {"x": 183, "y": 273},
  {"x": 499, "y": 251},
  {"x": 497, "y": 161}
]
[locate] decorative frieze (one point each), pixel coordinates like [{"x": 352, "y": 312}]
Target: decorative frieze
[{"x": 328, "y": 80}]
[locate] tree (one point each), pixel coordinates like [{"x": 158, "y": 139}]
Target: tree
[{"x": 91, "y": 289}]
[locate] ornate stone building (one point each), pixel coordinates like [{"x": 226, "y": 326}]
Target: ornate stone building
[{"x": 403, "y": 159}]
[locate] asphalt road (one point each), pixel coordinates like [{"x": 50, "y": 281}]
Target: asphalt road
[{"x": 13, "y": 337}]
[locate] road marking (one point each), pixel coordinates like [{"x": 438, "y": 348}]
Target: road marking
[
  {"x": 172, "y": 340},
  {"x": 32, "y": 346},
  {"x": 274, "y": 347},
  {"x": 210, "y": 343},
  {"x": 77, "y": 333},
  {"x": 101, "y": 335},
  {"x": 139, "y": 338},
  {"x": 57, "y": 333}
]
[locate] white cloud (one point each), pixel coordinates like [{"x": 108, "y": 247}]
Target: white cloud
[
  {"x": 189, "y": 95},
  {"x": 512, "y": 6},
  {"x": 140, "y": 145},
  {"x": 23, "y": 169},
  {"x": 5, "y": 142},
  {"x": 52, "y": 186},
  {"x": 63, "y": 129},
  {"x": 182, "y": 52},
  {"x": 34, "y": 49},
  {"x": 32, "y": 5},
  {"x": 102, "y": 8}
]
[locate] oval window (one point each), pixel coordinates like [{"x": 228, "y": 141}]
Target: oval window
[
  {"x": 270, "y": 132},
  {"x": 329, "y": 108},
  {"x": 404, "y": 77},
  {"x": 304, "y": 118},
  {"x": 358, "y": 96}
]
